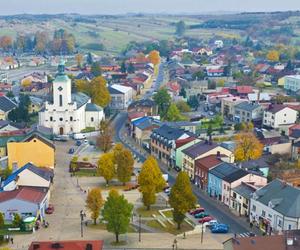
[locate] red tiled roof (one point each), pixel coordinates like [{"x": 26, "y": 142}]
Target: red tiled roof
[
  {"x": 33, "y": 195},
  {"x": 244, "y": 89},
  {"x": 180, "y": 143},
  {"x": 135, "y": 115},
  {"x": 68, "y": 245},
  {"x": 208, "y": 162}
]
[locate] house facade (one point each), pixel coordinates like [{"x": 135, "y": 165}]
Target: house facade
[
  {"x": 179, "y": 148},
  {"x": 228, "y": 104},
  {"x": 292, "y": 83},
  {"x": 248, "y": 112},
  {"x": 121, "y": 96}
]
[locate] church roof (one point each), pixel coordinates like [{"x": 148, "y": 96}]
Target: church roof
[
  {"x": 91, "y": 107},
  {"x": 61, "y": 78},
  {"x": 80, "y": 99}
]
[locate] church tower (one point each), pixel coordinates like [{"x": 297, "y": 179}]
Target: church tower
[{"x": 62, "y": 89}]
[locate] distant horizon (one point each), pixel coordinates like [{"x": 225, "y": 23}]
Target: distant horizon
[{"x": 122, "y": 7}]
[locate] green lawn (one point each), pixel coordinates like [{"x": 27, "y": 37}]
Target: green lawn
[
  {"x": 147, "y": 213},
  {"x": 168, "y": 214},
  {"x": 102, "y": 226},
  {"x": 86, "y": 173},
  {"x": 170, "y": 228}
]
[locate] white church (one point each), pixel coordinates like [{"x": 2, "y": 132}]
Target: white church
[{"x": 69, "y": 112}]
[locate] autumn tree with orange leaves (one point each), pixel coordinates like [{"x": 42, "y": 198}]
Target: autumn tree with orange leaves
[
  {"x": 154, "y": 57},
  {"x": 248, "y": 147}
]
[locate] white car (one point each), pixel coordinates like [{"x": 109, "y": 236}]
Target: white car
[
  {"x": 211, "y": 223},
  {"x": 86, "y": 142}
]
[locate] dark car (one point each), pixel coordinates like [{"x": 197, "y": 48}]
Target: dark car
[
  {"x": 71, "y": 151},
  {"x": 78, "y": 143},
  {"x": 197, "y": 211}
]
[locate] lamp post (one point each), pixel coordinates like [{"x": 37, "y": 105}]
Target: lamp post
[
  {"x": 202, "y": 233},
  {"x": 82, "y": 215},
  {"x": 140, "y": 229}
]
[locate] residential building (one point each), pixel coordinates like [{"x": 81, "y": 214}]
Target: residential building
[
  {"x": 228, "y": 104},
  {"x": 36, "y": 104},
  {"x": 275, "y": 207},
  {"x": 146, "y": 106},
  {"x": 196, "y": 88},
  {"x": 25, "y": 201},
  {"x": 121, "y": 96},
  {"x": 28, "y": 176},
  {"x": 202, "y": 166},
  {"x": 6, "y": 105},
  {"x": 185, "y": 125},
  {"x": 67, "y": 244},
  {"x": 34, "y": 149},
  {"x": 279, "y": 115},
  {"x": 288, "y": 240},
  {"x": 201, "y": 150},
  {"x": 240, "y": 198},
  {"x": 69, "y": 113},
  {"x": 248, "y": 112},
  {"x": 163, "y": 142},
  {"x": 292, "y": 83}
]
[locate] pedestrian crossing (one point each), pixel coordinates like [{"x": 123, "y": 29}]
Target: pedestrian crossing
[{"x": 246, "y": 234}]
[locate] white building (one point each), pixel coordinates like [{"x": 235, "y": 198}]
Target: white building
[
  {"x": 69, "y": 112},
  {"x": 276, "y": 206},
  {"x": 279, "y": 115},
  {"x": 292, "y": 83},
  {"x": 219, "y": 44},
  {"x": 121, "y": 96}
]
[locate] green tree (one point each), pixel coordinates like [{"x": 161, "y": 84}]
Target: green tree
[
  {"x": 200, "y": 75},
  {"x": 124, "y": 163},
  {"x": 94, "y": 202},
  {"x": 73, "y": 164},
  {"x": 99, "y": 92},
  {"x": 89, "y": 58},
  {"x": 1, "y": 220},
  {"x": 106, "y": 166},
  {"x": 209, "y": 130},
  {"x": 130, "y": 68},
  {"x": 181, "y": 198},
  {"x": 193, "y": 102},
  {"x": 123, "y": 67},
  {"x": 163, "y": 101},
  {"x": 173, "y": 114},
  {"x": 151, "y": 181},
  {"x": 182, "y": 92},
  {"x": 180, "y": 28},
  {"x": 17, "y": 221},
  {"x": 96, "y": 69},
  {"x": 117, "y": 212},
  {"x": 183, "y": 107}
]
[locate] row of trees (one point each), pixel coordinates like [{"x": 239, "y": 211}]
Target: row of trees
[{"x": 62, "y": 42}]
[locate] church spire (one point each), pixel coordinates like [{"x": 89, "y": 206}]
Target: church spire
[{"x": 61, "y": 67}]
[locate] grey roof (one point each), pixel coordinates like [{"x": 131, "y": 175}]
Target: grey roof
[
  {"x": 247, "y": 106},
  {"x": 142, "y": 103},
  {"x": 6, "y": 104},
  {"x": 284, "y": 198},
  {"x": 91, "y": 107},
  {"x": 295, "y": 133},
  {"x": 182, "y": 124},
  {"x": 199, "y": 148},
  {"x": 244, "y": 190},
  {"x": 261, "y": 162},
  {"x": 47, "y": 174},
  {"x": 80, "y": 98},
  {"x": 114, "y": 91},
  {"x": 61, "y": 78},
  {"x": 148, "y": 123},
  {"x": 223, "y": 170},
  {"x": 167, "y": 133},
  {"x": 240, "y": 173}
]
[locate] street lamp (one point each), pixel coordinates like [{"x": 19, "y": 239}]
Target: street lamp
[
  {"x": 82, "y": 215},
  {"x": 140, "y": 229},
  {"x": 202, "y": 233}
]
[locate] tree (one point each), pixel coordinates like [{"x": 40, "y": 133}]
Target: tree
[
  {"x": 163, "y": 101},
  {"x": 193, "y": 102},
  {"x": 151, "y": 181},
  {"x": 41, "y": 41},
  {"x": 79, "y": 60},
  {"x": 89, "y": 58},
  {"x": 106, "y": 166},
  {"x": 96, "y": 69},
  {"x": 73, "y": 164},
  {"x": 199, "y": 75},
  {"x": 124, "y": 162},
  {"x": 20, "y": 114},
  {"x": 181, "y": 198},
  {"x": 183, "y": 107},
  {"x": 273, "y": 55},
  {"x": 130, "y": 68},
  {"x": 17, "y": 221},
  {"x": 209, "y": 130},
  {"x": 26, "y": 82},
  {"x": 94, "y": 202},
  {"x": 182, "y": 92},
  {"x": 180, "y": 28},
  {"x": 173, "y": 114},
  {"x": 248, "y": 147},
  {"x": 6, "y": 43},
  {"x": 1, "y": 220},
  {"x": 99, "y": 92},
  {"x": 154, "y": 57},
  {"x": 117, "y": 212},
  {"x": 123, "y": 67},
  {"x": 105, "y": 138}
]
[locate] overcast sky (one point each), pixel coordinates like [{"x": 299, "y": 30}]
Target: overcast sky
[{"x": 149, "y": 6}]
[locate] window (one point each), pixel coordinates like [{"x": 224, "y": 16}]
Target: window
[
  {"x": 225, "y": 186},
  {"x": 71, "y": 118},
  {"x": 270, "y": 215},
  {"x": 263, "y": 213},
  {"x": 51, "y": 118},
  {"x": 290, "y": 227},
  {"x": 253, "y": 208},
  {"x": 60, "y": 100},
  {"x": 61, "y": 119},
  {"x": 279, "y": 223},
  {"x": 92, "y": 119},
  {"x": 234, "y": 195}
]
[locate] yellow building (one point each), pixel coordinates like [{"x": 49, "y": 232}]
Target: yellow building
[
  {"x": 280, "y": 82},
  {"x": 35, "y": 149}
]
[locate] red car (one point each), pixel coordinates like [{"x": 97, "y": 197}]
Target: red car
[
  {"x": 197, "y": 211},
  {"x": 50, "y": 209},
  {"x": 206, "y": 219}
]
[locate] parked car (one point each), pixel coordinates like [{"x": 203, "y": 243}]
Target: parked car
[
  {"x": 167, "y": 191},
  {"x": 60, "y": 138},
  {"x": 71, "y": 151},
  {"x": 212, "y": 223},
  {"x": 178, "y": 169},
  {"x": 197, "y": 211},
  {"x": 50, "y": 209},
  {"x": 201, "y": 215},
  {"x": 220, "y": 228},
  {"x": 205, "y": 219},
  {"x": 78, "y": 143}
]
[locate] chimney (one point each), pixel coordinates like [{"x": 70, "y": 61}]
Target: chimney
[
  {"x": 219, "y": 155},
  {"x": 89, "y": 246}
]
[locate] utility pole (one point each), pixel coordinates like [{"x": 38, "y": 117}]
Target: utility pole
[
  {"x": 202, "y": 233},
  {"x": 82, "y": 215},
  {"x": 140, "y": 229}
]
